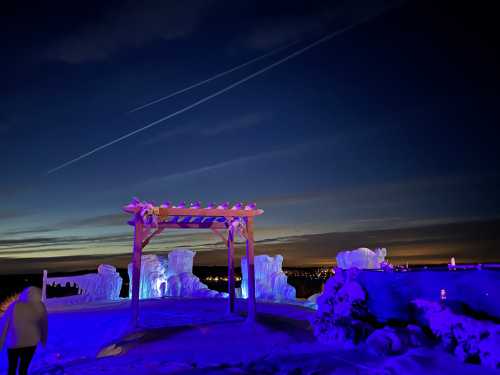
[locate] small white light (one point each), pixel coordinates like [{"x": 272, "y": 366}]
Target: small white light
[{"x": 442, "y": 294}]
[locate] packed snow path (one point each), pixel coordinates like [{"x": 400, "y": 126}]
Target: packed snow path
[{"x": 196, "y": 336}]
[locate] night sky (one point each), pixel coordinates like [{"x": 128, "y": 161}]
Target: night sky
[{"x": 386, "y": 135}]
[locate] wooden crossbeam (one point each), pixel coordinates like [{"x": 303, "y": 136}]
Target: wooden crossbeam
[
  {"x": 179, "y": 225},
  {"x": 224, "y": 239},
  {"x": 148, "y": 238},
  {"x": 215, "y": 212}
]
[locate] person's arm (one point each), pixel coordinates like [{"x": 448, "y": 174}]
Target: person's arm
[
  {"x": 4, "y": 325},
  {"x": 44, "y": 326}
]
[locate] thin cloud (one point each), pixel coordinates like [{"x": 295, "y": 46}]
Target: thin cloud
[
  {"x": 108, "y": 220},
  {"x": 238, "y": 161},
  {"x": 425, "y": 244},
  {"x": 115, "y": 219},
  {"x": 245, "y": 121},
  {"x": 30, "y": 241},
  {"x": 132, "y": 25},
  {"x": 10, "y": 214}
]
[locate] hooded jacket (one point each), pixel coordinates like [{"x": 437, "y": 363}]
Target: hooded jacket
[{"x": 25, "y": 322}]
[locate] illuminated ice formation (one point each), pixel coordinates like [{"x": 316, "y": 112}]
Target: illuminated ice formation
[
  {"x": 153, "y": 276},
  {"x": 181, "y": 282},
  {"x": 180, "y": 261},
  {"x": 170, "y": 278},
  {"x": 103, "y": 285},
  {"x": 312, "y": 301},
  {"x": 270, "y": 280},
  {"x": 361, "y": 258}
]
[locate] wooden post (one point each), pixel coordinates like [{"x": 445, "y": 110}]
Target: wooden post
[
  {"x": 230, "y": 268},
  {"x": 44, "y": 286},
  {"x": 250, "y": 270},
  {"x": 136, "y": 271}
]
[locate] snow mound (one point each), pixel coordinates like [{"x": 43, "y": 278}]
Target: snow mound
[
  {"x": 395, "y": 340},
  {"x": 469, "y": 339},
  {"x": 342, "y": 313},
  {"x": 271, "y": 283},
  {"x": 362, "y": 258}
]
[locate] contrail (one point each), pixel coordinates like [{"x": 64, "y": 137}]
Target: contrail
[
  {"x": 222, "y": 74},
  {"x": 222, "y": 91}
]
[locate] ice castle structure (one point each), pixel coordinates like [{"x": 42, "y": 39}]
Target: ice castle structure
[
  {"x": 271, "y": 283},
  {"x": 171, "y": 277},
  {"x": 104, "y": 285},
  {"x": 362, "y": 258}
]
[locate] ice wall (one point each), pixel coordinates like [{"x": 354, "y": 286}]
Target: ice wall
[
  {"x": 153, "y": 276},
  {"x": 270, "y": 280},
  {"x": 103, "y": 285},
  {"x": 362, "y": 258}
]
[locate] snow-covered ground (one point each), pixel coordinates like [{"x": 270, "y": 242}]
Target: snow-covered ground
[{"x": 196, "y": 336}]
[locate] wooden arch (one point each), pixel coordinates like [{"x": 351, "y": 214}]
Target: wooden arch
[{"x": 150, "y": 220}]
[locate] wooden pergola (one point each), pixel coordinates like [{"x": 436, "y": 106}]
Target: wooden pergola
[{"x": 150, "y": 220}]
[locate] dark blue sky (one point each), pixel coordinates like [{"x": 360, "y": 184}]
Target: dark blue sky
[{"x": 392, "y": 124}]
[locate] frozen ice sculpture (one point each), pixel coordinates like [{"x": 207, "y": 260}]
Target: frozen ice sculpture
[
  {"x": 270, "y": 280},
  {"x": 170, "y": 278},
  {"x": 101, "y": 286},
  {"x": 153, "y": 276},
  {"x": 362, "y": 258},
  {"x": 181, "y": 282}
]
